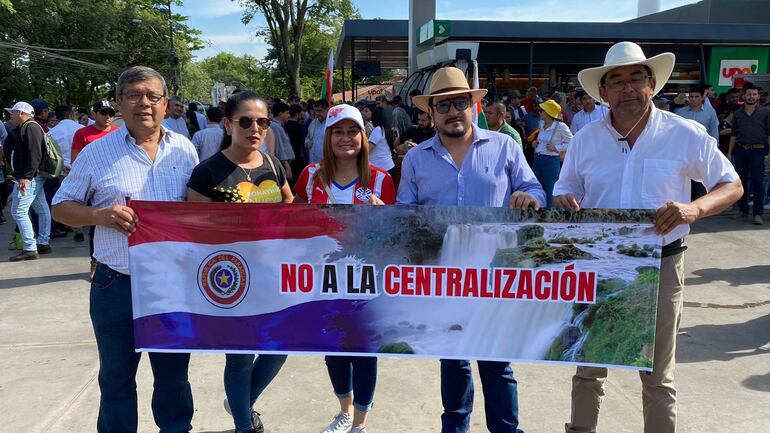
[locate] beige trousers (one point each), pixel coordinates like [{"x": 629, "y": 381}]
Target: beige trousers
[{"x": 658, "y": 392}]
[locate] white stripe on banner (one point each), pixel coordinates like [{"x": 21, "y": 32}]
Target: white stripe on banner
[{"x": 178, "y": 287}]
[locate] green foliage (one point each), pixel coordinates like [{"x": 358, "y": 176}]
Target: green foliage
[
  {"x": 537, "y": 252},
  {"x": 197, "y": 83},
  {"x": 71, "y": 52},
  {"x": 300, "y": 38},
  {"x": 622, "y": 326},
  {"x": 635, "y": 250},
  {"x": 556, "y": 350},
  {"x": 402, "y": 348},
  {"x": 524, "y": 234}
]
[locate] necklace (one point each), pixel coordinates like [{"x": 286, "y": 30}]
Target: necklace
[{"x": 247, "y": 173}]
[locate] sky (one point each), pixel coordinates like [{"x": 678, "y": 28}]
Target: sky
[{"x": 220, "y": 20}]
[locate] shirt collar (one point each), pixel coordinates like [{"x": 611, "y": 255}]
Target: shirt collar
[
  {"x": 653, "y": 119},
  {"x": 126, "y": 136}
]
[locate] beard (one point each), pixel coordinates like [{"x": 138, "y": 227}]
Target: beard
[
  {"x": 456, "y": 134},
  {"x": 750, "y": 102}
]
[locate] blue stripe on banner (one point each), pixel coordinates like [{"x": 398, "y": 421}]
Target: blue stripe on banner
[{"x": 322, "y": 326}]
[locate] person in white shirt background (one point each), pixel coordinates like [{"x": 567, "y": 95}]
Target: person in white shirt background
[
  {"x": 590, "y": 112},
  {"x": 551, "y": 142},
  {"x": 639, "y": 157},
  {"x": 63, "y": 133},
  {"x": 175, "y": 119},
  {"x": 207, "y": 141}
]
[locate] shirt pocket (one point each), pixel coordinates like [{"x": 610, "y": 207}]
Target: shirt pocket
[{"x": 662, "y": 181}]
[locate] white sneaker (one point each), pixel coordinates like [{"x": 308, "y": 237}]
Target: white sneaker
[
  {"x": 358, "y": 430},
  {"x": 341, "y": 424}
]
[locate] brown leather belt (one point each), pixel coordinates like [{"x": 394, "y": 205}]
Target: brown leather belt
[{"x": 752, "y": 146}]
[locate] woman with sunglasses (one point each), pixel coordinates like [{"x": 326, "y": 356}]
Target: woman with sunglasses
[
  {"x": 241, "y": 173},
  {"x": 345, "y": 176}
]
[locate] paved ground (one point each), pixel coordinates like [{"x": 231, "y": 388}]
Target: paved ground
[{"x": 48, "y": 361}]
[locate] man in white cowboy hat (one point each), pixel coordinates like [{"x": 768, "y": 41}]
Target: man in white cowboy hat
[
  {"x": 639, "y": 157},
  {"x": 463, "y": 165}
]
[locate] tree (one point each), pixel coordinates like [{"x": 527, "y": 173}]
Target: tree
[
  {"x": 67, "y": 53},
  {"x": 197, "y": 83},
  {"x": 287, "y": 25},
  {"x": 245, "y": 72}
]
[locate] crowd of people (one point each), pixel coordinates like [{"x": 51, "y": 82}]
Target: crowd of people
[{"x": 610, "y": 144}]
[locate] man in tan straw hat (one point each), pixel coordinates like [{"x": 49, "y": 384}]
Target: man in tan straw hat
[
  {"x": 639, "y": 157},
  {"x": 463, "y": 165}
]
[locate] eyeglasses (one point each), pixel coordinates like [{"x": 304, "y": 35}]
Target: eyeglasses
[
  {"x": 135, "y": 97},
  {"x": 109, "y": 113},
  {"x": 460, "y": 104},
  {"x": 619, "y": 84},
  {"x": 246, "y": 122}
]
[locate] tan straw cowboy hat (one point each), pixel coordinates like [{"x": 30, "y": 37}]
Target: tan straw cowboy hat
[
  {"x": 627, "y": 54},
  {"x": 445, "y": 82}
]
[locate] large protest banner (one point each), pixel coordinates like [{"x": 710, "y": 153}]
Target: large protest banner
[{"x": 440, "y": 282}]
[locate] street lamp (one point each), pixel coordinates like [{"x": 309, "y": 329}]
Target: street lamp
[{"x": 172, "y": 50}]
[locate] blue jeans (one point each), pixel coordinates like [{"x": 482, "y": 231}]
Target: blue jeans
[
  {"x": 111, "y": 316},
  {"x": 751, "y": 168},
  {"x": 33, "y": 197},
  {"x": 501, "y": 401},
  {"x": 547, "y": 170},
  {"x": 354, "y": 375},
  {"x": 245, "y": 380}
]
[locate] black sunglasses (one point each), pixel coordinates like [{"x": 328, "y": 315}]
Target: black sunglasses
[
  {"x": 107, "y": 112},
  {"x": 246, "y": 122},
  {"x": 461, "y": 104}
]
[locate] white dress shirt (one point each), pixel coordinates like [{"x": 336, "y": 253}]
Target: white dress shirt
[
  {"x": 178, "y": 125},
  {"x": 380, "y": 156},
  {"x": 583, "y": 118},
  {"x": 208, "y": 141},
  {"x": 604, "y": 173},
  {"x": 113, "y": 168},
  {"x": 63, "y": 133},
  {"x": 557, "y": 134}
]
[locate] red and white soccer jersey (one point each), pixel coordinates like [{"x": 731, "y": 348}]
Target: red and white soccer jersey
[{"x": 310, "y": 189}]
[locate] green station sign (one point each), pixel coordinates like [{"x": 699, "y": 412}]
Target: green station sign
[{"x": 434, "y": 31}]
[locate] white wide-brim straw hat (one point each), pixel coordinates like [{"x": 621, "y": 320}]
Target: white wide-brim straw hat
[
  {"x": 446, "y": 82},
  {"x": 627, "y": 54}
]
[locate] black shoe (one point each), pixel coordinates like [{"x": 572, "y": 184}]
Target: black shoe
[
  {"x": 256, "y": 422},
  {"x": 24, "y": 255},
  {"x": 43, "y": 249},
  {"x": 78, "y": 237},
  {"x": 58, "y": 234}
]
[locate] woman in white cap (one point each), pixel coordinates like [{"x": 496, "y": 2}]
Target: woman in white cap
[
  {"x": 551, "y": 143},
  {"x": 345, "y": 176}
]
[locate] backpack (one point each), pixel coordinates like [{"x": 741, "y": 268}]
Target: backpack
[{"x": 52, "y": 162}]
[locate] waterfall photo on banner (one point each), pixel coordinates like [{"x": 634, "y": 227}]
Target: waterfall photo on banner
[{"x": 432, "y": 282}]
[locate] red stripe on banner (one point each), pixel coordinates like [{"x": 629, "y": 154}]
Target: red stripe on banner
[{"x": 225, "y": 223}]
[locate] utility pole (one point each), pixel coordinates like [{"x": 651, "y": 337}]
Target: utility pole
[{"x": 175, "y": 77}]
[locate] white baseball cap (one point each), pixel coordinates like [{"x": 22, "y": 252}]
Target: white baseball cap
[
  {"x": 23, "y": 107},
  {"x": 342, "y": 112}
]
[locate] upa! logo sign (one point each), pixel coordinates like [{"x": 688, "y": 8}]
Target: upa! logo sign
[{"x": 730, "y": 68}]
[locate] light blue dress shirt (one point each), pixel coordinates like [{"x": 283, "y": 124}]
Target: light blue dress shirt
[
  {"x": 113, "y": 168},
  {"x": 491, "y": 171},
  {"x": 704, "y": 116}
]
